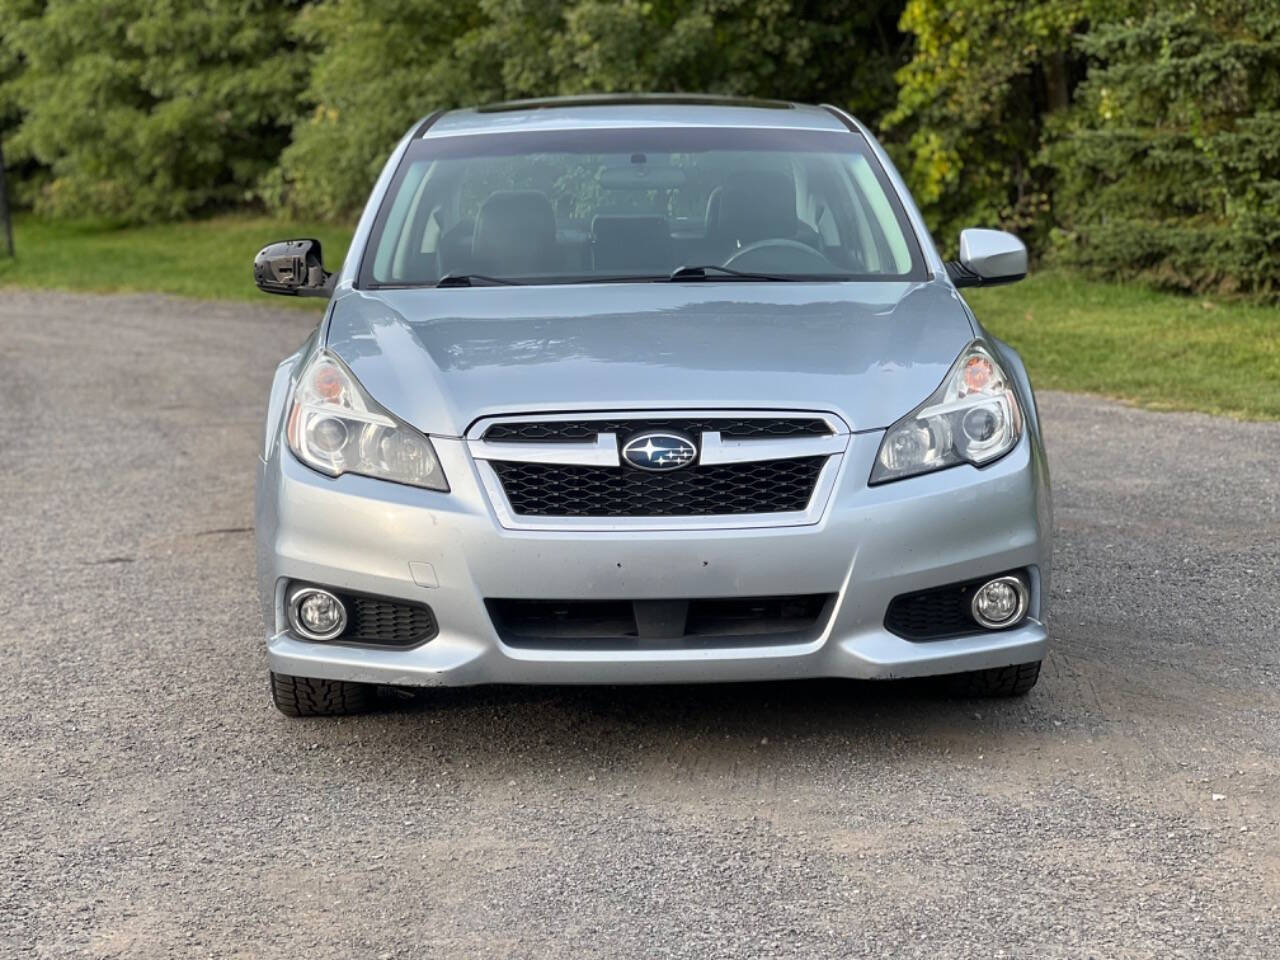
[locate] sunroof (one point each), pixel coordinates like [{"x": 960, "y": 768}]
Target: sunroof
[{"x": 629, "y": 99}]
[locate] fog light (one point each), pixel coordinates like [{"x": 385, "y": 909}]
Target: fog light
[
  {"x": 1000, "y": 603},
  {"x": 316, "y": 614}
]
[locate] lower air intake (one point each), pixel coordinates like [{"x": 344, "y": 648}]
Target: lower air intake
[{"x": 650, "y": 624}]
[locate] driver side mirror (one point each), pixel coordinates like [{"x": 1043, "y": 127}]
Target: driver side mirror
[
  {"x": 987, "y": 258},
  {"x": 292, "y": 267}
]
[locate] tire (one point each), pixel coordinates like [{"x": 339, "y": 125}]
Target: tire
[
  {"x": 307, "y": 697},
  {"x": 1014, "y": 681}
]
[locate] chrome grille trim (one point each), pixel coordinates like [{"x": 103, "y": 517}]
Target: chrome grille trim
[
  {"x": 602, "y": 453},
  {"x": 605, "y": 452},
  {"x": 713, "y": 449}
]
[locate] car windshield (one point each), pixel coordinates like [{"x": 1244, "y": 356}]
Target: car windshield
[{"x": 594, "y": 205}]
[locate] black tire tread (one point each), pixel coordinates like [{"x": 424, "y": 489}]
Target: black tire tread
[
  {"x": 1012, "y": 681},
  {"x": 311, "y": 697}
]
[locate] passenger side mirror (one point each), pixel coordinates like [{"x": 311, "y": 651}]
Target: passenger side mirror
[
  {"x": 988, "y": 257},
  {"x": 292, "y": 267}
]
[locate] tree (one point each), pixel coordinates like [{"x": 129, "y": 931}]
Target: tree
[
  {"x": 437, "y": 53},
  {"x": 149, "y": 109},
  {"x": 972, "y": 104},
  {"x": 22, "y": 177},
  {"x": 840, "y": 51},
  {"x": 1168, "y": 169},
  {"x": 376, "y": 66}
]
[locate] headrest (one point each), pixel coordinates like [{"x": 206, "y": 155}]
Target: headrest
[
  {"x": 617, "y": 228},
  {"x": 755, "y": 205},
  {"x": 515, "y": 234},
  {"x": 631, "y": 241}
]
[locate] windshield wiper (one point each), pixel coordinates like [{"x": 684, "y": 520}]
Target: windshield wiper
[
  {"x": 473, "y": 280},
  {"x": 705, "y": 271}
]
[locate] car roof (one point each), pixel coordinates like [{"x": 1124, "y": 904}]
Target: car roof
[{"x": 633, "y": 110}]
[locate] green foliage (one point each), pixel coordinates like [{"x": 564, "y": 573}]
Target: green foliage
[
  {"x": 971, "y": 103},
  {"x": 376, "y": 66},
  {"x": 1136, "y": 138},
  {"x": 841, "y": 51},
  {"x": 437, "y": 53},
  {"x": 147, "y": 109},
  {"x": 23, "y": 175},
  {"x": 1169, "y": 166}
]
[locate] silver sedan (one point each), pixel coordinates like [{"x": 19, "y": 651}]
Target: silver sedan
[{"x": 647, "y": 390}]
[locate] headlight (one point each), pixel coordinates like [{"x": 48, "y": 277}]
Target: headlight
[
  {"x": 336, "y": 428},
  {"x": 972, "y": 418}
]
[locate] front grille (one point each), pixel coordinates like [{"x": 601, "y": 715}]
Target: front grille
[
  {"x": 375, "y": 620},
  {"x": 561, "y": 490},
  {"x": 936, "y": 613},
  {"x": 757, "y": 428},
  {"x": 649, "y": 624}
]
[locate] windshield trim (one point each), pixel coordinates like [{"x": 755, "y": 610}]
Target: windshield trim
[{"x": 434, "y": 146}]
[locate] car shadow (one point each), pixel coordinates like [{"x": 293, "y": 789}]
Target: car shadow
[{"x": 800, "y": 709}]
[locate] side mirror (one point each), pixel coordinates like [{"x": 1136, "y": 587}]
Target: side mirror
[
  {"x": 988, "y": 257},
  {"x": 292, "y": 267}
]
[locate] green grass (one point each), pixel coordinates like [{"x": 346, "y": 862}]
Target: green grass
[
  {"x": 204, "y": 258},
  {"x": 1158, "y": 350},
  {"x": 1154, "y": 349}
]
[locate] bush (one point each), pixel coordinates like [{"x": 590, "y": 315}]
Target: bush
[
  {"x": 437, "y": 53},
  {"x": 1168, "y": 168},
  {"x": 971, "y": 107},
  {"x": 376, "y": 66},
  {"x": 1134, "y": 138},
  {"x": 148, "y": 109}
]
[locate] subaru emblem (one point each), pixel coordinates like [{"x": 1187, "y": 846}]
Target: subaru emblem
[{"x": 659, "y": 451}]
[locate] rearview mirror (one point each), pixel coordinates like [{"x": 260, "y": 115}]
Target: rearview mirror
[
  {"x": 292, "y": 267},
  {"x": 988, "y": 257},
  {"x": 642, "y": 177}
]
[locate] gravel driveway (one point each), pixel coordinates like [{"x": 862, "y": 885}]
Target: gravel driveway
[{"x": 154, "y": 804}]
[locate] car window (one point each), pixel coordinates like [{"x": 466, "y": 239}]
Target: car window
[
  {"x": 888, "y": 240},
  {"x": 589, "y": 205}
]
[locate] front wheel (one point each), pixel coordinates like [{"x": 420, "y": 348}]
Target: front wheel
[
  {"x": 1011, "y": 681},
  {"x": 308, "y": 697}
]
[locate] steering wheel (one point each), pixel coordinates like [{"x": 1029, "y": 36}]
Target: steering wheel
[{"x": 780, "y": 256}]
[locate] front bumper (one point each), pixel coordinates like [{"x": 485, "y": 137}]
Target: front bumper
[{"x": 450, "y": 551}]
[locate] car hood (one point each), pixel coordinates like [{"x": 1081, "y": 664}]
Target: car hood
[{"x": 442, "y": 358}]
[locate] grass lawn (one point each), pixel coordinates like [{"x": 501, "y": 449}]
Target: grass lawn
[
  {"x": 1154, "y": 349},
  {"x": 203, "y": 258}
]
